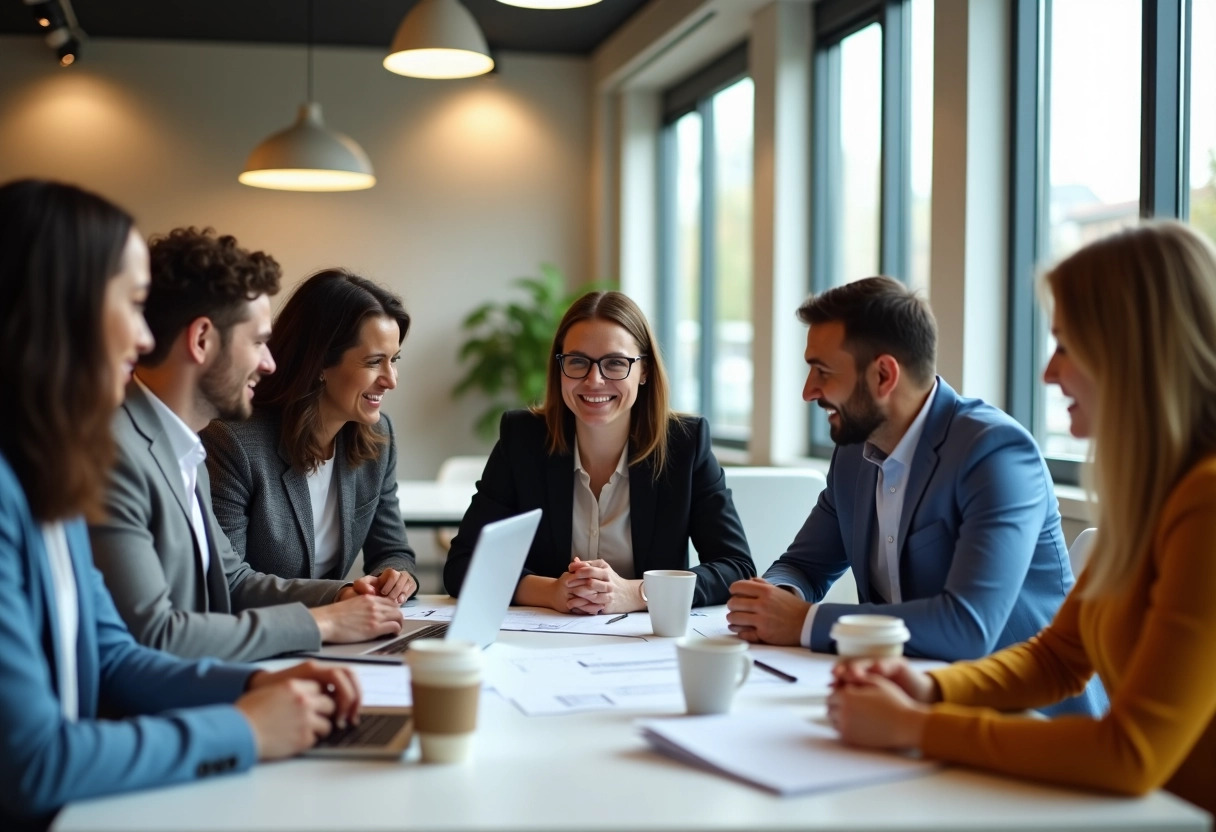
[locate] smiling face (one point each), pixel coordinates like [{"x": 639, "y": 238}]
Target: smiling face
[
  {"x": 125, "y": 332},
  {"x": 227, "y": 385},
  {"x": 598, "y": 402},
  {"x": 833, "y": 383},
  {"x": 1073, "y": 382},
  {"x": 355, "y": 386}
]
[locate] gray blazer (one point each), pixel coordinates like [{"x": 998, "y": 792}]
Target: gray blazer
[
  {"x": 146, "y": 550},
  {"x": 263, "y": 503}
]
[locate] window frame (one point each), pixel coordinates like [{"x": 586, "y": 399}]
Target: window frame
[
  {"x": 694, "y": 94},
  {"x": 1164, "y": 135}
]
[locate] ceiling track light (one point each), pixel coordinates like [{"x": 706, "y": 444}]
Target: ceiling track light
[
  {"x": 63, "y": 33},
  {"x": 308, "y": 156},
  {"x": 439, "y": 39}
]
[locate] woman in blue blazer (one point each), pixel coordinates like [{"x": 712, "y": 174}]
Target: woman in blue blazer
[
  {"x": 624, "y": 482},
  {"x": 73, "y": 279}
]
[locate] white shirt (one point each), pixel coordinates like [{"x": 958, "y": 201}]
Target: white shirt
[
  {"x": 889, "y": 497},
  {"x": 327, "y": 532},
  {"x": 602, "y": 528},
  {"x": 188, "y": 449},
  {"x": 67, "y": 616}
]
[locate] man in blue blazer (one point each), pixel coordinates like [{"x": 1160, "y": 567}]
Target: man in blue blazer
[{"x": 942, "y": 506}]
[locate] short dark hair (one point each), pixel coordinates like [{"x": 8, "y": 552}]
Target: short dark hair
[
  {"x": 321, "y": 321},
  {"x": 880, "y": 316},
  {"x": 59, "y": 248},
  {"x": 199, "y": 274}
]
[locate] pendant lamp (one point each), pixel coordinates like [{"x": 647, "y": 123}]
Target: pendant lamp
[
  {"x": 549, "y": 4},
  {"x": 308, "y": 156},
  {"x": 439, "y": 39}
]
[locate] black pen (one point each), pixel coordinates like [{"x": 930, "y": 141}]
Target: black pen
[
  {"x": 780, "y": 674},
  {"x": 618, "y": 618}
]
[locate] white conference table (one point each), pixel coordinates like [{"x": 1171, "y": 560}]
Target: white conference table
[
  {"x": 432, "y": 503},
  {"x": 593, "y": 772}
]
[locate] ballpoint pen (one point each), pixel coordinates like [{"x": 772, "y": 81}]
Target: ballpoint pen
[
  {"x": 617, "y": 618},
  {"x": 780, "y": 674}
]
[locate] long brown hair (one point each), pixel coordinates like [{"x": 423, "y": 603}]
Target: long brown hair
[
  {"x": 320, "y": 321},
  {"x": 1137, "y": 312},
  {"x": 59, "y": 247},
  {"x": 651, "y": 415}
]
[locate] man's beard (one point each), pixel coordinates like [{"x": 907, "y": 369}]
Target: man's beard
[
  {"x": 857, "y": 418},
  {"x": 224, "y": 392}
]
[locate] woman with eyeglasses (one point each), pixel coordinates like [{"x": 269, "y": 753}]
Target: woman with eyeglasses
[
  {"x": 1134, "y": 316},
  {"x": 311, "y": 479},
  {"x": 624, "y": 482},
  {"x": 73, "y": 280}
]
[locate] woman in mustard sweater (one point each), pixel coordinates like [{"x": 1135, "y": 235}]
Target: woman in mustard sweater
[{"x": 1134, "y": 316}]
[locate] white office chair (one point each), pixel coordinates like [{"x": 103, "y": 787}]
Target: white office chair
[
  {"x": 773, "y": 503},
  {"x": 1078, "y": 552},
  {"x": 457, "y": 470}
]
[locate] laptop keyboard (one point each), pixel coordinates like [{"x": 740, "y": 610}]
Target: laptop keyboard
[
  {"x": 402, "y": 644},
  {"x": 373, "y": 730}
]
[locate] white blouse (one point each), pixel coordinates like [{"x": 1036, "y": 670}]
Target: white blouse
[
  {"x": 602, "y": 528},
  {"x": 67, "y": 615}
]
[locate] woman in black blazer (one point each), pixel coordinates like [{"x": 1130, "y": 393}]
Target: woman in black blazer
[
  {"x": 317, "y": 439},
  {"x": 624, "y": 482}
]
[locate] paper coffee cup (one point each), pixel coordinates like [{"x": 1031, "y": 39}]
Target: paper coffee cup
[
  {"x": 669, "y": 599},
  {"x": 711, "y": 670},
  {"x": 869, "y": 636},
  {"x": 445, "y": 679}
]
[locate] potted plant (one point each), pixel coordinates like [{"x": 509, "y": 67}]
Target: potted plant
[{"x": 507, "y": 348}]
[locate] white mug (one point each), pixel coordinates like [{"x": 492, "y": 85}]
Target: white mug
[
  {"x": 711, "y": 670},
  {"x": 668, "y": 595}
]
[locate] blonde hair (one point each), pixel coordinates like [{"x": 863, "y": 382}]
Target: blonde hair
[
  {"x": 651, "y": 414},
  {"x": 1137, "y": 310}
]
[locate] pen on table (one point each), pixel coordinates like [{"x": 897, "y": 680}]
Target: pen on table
[
  {"x": 618, "y": 618},
  {"x": 780, "y": 674}
]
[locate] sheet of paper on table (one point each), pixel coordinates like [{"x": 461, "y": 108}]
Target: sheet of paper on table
[
  {"x": 382, "y": 685},
  {"x": 777, "y": 750},
  {"x": 634, "y": 675},
  {"x": 539, "y": 620}
]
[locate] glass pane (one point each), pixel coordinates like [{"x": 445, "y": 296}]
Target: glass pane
[
  {"x": 1093, "y": 152},
  {"x": 732, "y": 330},
  {"x": 922, "y": 140},
  {"x": 1203, "y": 116},
  {"x": 686, "y": 388},
  {"x": 860, "y": 155}
]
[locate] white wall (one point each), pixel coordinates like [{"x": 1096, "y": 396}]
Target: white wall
[{"x": 479, "y": 180}]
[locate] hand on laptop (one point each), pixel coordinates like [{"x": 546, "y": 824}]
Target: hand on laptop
[
  {"x": 360, "y": 618},
  {"x": 289, "y": 709},
  {"x": 390, "y": 583},
  {"x": 763, "y": 612}
]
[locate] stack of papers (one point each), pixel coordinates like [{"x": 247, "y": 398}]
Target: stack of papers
[{"x": 776, "y": 750}]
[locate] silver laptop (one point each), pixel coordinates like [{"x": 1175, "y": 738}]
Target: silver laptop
[
  {"x": 502, "y": 547},
  {"x": 381, "y": 733}
]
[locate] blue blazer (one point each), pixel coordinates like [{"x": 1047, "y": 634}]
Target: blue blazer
[
  {"x": 982, "y": 560},
  {"x": 47, "y": 761},
  {"x": 690, "y": 500}
]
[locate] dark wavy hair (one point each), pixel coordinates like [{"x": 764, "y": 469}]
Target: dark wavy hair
[
  {"x": 59, "y": 247},
  {"x": 321, "y": 321},
  {"x": 199, "y": 274},
  {"x": 881, "y": 316},
  {"x": 651, "y": 415}
]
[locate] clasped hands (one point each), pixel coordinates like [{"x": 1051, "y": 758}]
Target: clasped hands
[
  {"x": 590, "y": 587},
  {"x": 880, "y": 703}
]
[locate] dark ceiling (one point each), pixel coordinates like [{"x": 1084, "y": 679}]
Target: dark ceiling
[{"x": 338, "y": 22}]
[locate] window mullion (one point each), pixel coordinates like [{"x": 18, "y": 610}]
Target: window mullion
[
  {"x": 708, "y": 255},
  {"x": 1161, "y": 108},
  {"x": 896, "y": 188}
]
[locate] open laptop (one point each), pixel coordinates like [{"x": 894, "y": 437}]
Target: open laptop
[{"x": 502, "y": 547}]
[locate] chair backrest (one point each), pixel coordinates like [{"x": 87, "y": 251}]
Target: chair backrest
[
  {"x": 1078, "y": 552},
  {"x": 773, "y": 503},
  {"x": 461, "y": 469}
]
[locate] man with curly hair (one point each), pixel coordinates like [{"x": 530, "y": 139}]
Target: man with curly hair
[{"x": 173, "y": 574}]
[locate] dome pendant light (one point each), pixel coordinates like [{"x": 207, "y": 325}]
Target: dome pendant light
[
  {"x": 308, "y": 156},
  {"x": 549, "y": 4},
  {"x": 439, "y": 39}
]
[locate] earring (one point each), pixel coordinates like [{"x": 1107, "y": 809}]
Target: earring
[
  {"x": 643, "y": 381},
  {"x": 322, "y": 378}
]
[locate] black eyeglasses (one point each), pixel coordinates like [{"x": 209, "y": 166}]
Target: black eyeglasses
[{"x": 612, "y": 367}]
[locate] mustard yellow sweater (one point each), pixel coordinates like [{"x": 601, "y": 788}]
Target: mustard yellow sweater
[{"x": 1154, "y": 648}]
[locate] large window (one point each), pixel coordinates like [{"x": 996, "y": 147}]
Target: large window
[
  {"x": 872, "y": 154},
  {"x": 706, "y": 269},
  {"x": 1101, "y": 127}
]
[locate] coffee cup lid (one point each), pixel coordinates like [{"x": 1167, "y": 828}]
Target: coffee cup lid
[{"x": 879, "y": 629}]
